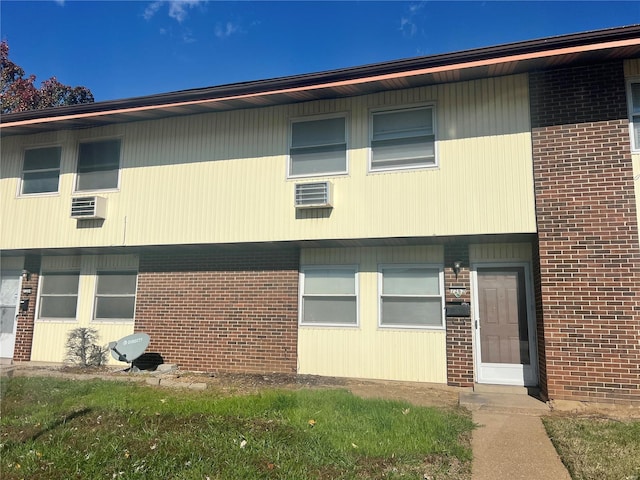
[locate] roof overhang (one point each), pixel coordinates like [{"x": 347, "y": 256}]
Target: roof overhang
[{"x": 575, "y": 49}]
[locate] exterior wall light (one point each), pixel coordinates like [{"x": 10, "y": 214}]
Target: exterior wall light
[{"x": 457, "y": 265}]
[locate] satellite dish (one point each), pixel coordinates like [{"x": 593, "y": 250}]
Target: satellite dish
[{"x": 128, "y": 348}]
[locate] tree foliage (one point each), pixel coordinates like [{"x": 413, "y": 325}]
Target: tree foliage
[{"x": 19, "y": 93}]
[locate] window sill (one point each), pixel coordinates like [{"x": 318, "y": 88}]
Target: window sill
[
  {"x": 38, "y": 195},
  {"x": 328, "y": 325},
  {"x": 425, "y": 328},
  {"x": 402, "y": 169},
  {"x": 317, "y": 175}
]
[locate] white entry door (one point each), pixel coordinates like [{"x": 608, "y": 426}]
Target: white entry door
[
  {"x": 9, "y": 294},
  {"x": 504, "y": 326}
]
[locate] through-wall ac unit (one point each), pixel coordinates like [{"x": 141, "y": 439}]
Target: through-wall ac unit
[
  {"x": 313, "y": 195},
  {"x": 88, "y": 208}
]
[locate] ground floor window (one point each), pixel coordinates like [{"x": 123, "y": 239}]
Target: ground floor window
[
  {"x": 411, "y": 296},
  {"x": 328, "y": 295},
  {"x": 115, "y": 295},
  {"x": 58, "y": 295}
]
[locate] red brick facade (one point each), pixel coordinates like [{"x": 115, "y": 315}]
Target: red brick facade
[
  {"x": 589, "y": 272},
  {"x": 233, "y": 311}
]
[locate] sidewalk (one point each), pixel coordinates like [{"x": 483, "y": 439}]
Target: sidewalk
[{"x": 510, "y": 442}]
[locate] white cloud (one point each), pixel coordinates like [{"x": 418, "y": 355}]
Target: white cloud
[
  {"x": 408, "y": 23},
  {"x": 408, "y": 27},
  {"x": 151, "y": 10},
  {"x": 226, "y": 30},
  {"x": 178, "y": 9}
]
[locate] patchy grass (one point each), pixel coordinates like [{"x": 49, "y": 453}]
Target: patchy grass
[
  {"x": 53, "y": 428},
  {"x": 597, "y": 448}
]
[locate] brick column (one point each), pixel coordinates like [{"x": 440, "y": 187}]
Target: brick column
[
  {"x": 459, "y": 329},
  {"x": 24, "y": 327}
]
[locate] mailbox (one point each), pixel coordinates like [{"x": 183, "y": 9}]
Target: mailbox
[{"x": 458, "y": 309}]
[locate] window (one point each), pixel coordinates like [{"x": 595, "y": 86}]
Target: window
[
  {"x": 633, "y": 93},
  {"x": 98, "y": 165},
  {"x": 115, "y": 296},
  {"x": 41, "y": 170},
  {"x": 411, "y": 296},
  {"x": 318, "y": 147},
  {"x": 59, "y": 295},
  {"x": 328, "y": 296},
  {"x": 403, "y": 139}
]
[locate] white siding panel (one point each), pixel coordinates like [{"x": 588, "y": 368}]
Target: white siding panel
[
  {"x": 50, "y": 337},
  {"x": 222, "y": 177},
  {"x": 368, "y": 351}
]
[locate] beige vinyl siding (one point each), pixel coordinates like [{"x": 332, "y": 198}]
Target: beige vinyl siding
[
  {"x": 222, "y": 177},
  {"x": 632, "y": 67},
  {"x": 50, "y": 336},
  {"x": 499, "y": 252},
  {"x": 368, "y": 351},
  {"x": 11, "y": 263}
]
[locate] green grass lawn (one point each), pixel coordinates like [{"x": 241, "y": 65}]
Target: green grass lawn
[
  {"x": 63, "y": 429},
  {"x": 597, "y": 448}
]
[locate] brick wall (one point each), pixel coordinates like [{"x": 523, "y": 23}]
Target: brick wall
[
  {"x": 459, "y": 329},
  {"x": 234, "y": 311},
  {"x": 589, "y": 275},
  {"x": 24, "y": 327}
]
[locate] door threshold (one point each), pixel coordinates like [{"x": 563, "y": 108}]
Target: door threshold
[{"x": 506, "y": 389}]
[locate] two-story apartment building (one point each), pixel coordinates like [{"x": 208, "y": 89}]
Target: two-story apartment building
[{"x": 461, "y": 218}]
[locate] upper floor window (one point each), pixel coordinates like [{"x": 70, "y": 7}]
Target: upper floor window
[
  {"x": 633, "y": 94},
  {"x": 41, "y": 170},
  {"x": 59, "y": 295},
  {"x": 318, "y": 147},
  {"x": 98, "y": 165},
  {"x": 115, "y": 295},
  {"x": 403, "y": 138},
  {"x": 328, "y": 295},
  {"x": 411, "y": 296}
]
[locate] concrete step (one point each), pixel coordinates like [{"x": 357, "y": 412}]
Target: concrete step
[
  {"x": 513, "y": 389},
  {"x": 500, "y": 402}
]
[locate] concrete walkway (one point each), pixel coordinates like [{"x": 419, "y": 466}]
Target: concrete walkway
[{"x": 510, "y": 442}]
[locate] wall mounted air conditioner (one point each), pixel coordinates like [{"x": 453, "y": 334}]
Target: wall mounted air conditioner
[
  {"x": 313, "y": 195},
  {"x": 88, "y": 208}
]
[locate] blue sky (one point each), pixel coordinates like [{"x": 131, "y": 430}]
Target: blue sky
[{"x": 122, "y": 49}]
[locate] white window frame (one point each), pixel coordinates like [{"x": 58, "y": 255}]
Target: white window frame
[
  {"x": 96, "y": 295},
  {"x": 431, "y": 266},
  {"x": 59, "y": 169},
  {"x": 633, "y": 113},
  {"x": 302, "y": 295},
  {"x": 381, "y": 111},
  {"x": 313, "y": 118},
  {"x": 77, "y": 173},
  {"x": 41, "y": 279}
]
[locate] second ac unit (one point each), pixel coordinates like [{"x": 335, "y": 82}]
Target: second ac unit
[
  {"x": 313, "y": 195},
  {"x": 87, "y": 208}
]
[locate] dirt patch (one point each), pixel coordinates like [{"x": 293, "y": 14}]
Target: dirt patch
[{"x": 422, "y": 394}]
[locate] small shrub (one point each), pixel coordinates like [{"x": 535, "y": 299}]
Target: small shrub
[{"x": 83, "y": 349}]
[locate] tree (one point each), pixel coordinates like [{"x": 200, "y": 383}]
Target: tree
[{"x": 19, "y": 94}]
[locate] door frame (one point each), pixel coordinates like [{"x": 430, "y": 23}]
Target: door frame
[
  {"x": 13, "y": 273},
  {"x": 491, "y": 373}
]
